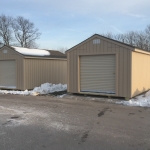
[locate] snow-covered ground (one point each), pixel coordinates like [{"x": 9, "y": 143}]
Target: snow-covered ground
[
  {"x": 142, "y": 100},
  {"x": 45, "y": 88}
]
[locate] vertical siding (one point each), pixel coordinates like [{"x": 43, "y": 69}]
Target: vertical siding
[
  {"x": 140, "y": 73},
  {"x": 12, "y": 55},
  {"x": 68, "y": 72},
  {"x": 123, "y": 81},
  {"x": 38, "y": 71},
  {"x": 20, "y": 73}
]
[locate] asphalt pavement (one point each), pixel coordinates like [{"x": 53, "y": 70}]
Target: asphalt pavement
[{"x": 71, "y": 123}]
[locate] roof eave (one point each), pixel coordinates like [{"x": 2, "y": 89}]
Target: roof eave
[
  {"x": 61, "y": 58},
  {"x": 141, "y": 51},
  {"x": 13, "y": 50}
]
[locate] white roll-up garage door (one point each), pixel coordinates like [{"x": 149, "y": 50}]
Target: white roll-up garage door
[
  {"x": 97, "y": 74},
  {"x": 8, "y": 74}
]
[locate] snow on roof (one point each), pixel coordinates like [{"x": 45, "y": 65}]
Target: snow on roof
[{"x": 31, "y": 52}]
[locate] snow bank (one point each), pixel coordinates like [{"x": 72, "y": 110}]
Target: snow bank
[
  {"x": 32, "y": 52},
  {"x": 45, "y": 88},
  {"x": 50, "y": 88},
  {"x": 142, "y": 100}
]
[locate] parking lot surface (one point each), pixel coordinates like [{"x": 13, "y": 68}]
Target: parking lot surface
[{"x": 71, "y": 123}]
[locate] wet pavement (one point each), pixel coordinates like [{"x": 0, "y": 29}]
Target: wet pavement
[{"x": 71, "y": 122}]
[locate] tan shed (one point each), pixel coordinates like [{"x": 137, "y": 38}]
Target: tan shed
[
  {"x": 22, "y": 68},
  {"x": 102, "y": 66}
]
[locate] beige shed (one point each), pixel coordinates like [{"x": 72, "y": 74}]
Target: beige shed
[
  {"x": 22, "y": 68},
  {"x": 102, "y": 66}
]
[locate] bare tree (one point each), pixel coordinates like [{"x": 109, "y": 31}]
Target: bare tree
[
  {"x": 109, "y": 35},
  {"x": 62, "y": 49},
  {"x": 6, "y": 30},
  {"x": 25, "y": 32},
  {"x": 120, "y": 37},
  {"x": 140, "y": 39},
  {"x": 147, "y": 32},
  {"x": 129, "y": 37},
  {"x": 1, "y": 44}
]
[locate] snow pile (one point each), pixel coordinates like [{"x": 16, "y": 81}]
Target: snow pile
[
  {"x": 32, "y": 52},
  {"x": 142, "y": 100},
  {"x": 50, "y": 88},
  {"x": 45, "y": 88}
]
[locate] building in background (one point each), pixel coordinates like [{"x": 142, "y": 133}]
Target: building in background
[{"x": 23, "y": 68}]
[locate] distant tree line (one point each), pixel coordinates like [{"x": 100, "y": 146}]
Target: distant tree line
[
  {"x": 18, "y": 32},
  {"x": 62, "y": 49},
  {"x": 140, "y": 39}
]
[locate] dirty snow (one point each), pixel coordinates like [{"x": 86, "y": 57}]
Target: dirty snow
[
  {"x": 50, "y": 88},
  {"x": 17, "y": 117},
  {"x": 45, "y": 88},
  {"x": 142, "y": 100},
  {"x": 32, "y": 52},
  {"x": 26, "y": 92},
  {"x": 24, "y": 115},
  {"x": 61, "y": 96}
]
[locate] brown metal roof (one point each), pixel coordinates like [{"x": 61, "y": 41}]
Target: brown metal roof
[
  {"x": 57, "y": 53},
  {"x": 53, "y": 54}
]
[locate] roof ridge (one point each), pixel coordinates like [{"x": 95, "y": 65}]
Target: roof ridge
[{"x": 129, "y": 45}]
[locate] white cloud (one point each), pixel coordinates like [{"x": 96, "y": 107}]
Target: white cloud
[
  {"x": 133, "y": 8},
  {"x": 116, "y": 29},
  {"x": 89, "y": 6},
  {"x": 136, "y": 15},
  {"x": 85, "y": 7}
]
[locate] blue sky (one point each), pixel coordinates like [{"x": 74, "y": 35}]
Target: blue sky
[{"x": 65, "y": 23}]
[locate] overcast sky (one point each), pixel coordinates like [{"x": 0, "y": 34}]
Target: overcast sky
[{"x": 65, "y": 23}]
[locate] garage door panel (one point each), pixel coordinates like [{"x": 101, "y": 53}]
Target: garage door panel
[
  {"x": 8, "y": 74},
  {"x": 97, "y": 76},
  {"x": 97, "y": 73}
]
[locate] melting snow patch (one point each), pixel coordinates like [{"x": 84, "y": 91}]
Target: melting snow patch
[
  {"x": 61, "y": 96},
  {"x": 45, "y": 88},
  {"x": 59, "y": 126},
  {"x": 26, "y": 92},
  {"x": 12, "y": 122},
  {"x": 142, "y": 100}
]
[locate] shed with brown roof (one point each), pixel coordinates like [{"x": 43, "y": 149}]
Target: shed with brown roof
[
  {"x": 102, "y": 66},
  {"x": 23, "y": 68}
]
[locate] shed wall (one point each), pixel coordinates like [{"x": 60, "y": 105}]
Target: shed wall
[
  {"x": 11, "y": 55},
  {"x": 38, "y": 71},
  {"x": 140, "y": 73},
  {"x": 123, "y": 64}
]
